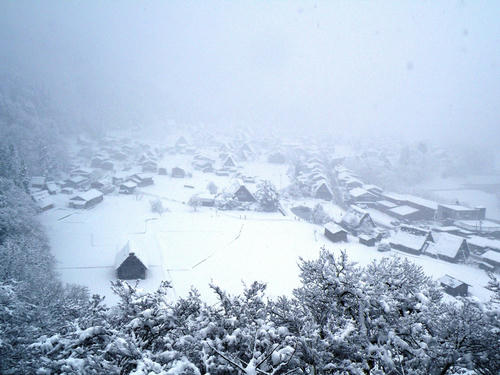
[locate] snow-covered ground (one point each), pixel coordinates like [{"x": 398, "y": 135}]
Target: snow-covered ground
[{"x": 194, "y": 248}]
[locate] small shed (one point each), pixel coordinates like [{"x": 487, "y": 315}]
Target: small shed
[
  {"x": 454, "y": 287},
  {"x": 178, "y": 172},
  {"x": 335, "y": 233},
  {"x": 367, "y": 240},
  {"x": 87, "y": 199},
  {"x": 127, "y": 187},
  {"x": 162, "y": 171},
  {"x": 130, "y": 263}
]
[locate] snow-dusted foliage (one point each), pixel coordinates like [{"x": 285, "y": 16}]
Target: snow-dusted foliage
[
  {"x": 387, "y": 318},
  {"x": 267, "y": 196},
  {"x": 157, "y": 206}
]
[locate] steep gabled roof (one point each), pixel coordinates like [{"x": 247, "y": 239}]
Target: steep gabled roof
[{"x": 131, "y": 248}]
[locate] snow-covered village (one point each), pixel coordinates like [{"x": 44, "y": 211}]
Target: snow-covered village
[{"x": 156, "y": 219}]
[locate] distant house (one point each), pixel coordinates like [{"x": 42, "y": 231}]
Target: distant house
[
  {"x": 302, "y": 212},
  {"x": 242, "y": 194},
  {"x": 384, "y": 205},
  {"x": 205, "y": 200},
  {"x": 406, "y": 213},
  {"x": 119, "y": 178},
  {"x": 178, "y": 172},
  {"x": 417, "y": 231},
  {"x": 427, "y": 208},
  {"x": 357, "y": 222},
  {"x": 42, "y": 200},
  {"x": 458, "y": 212},
  {"x": 128, "y": 187},
  {"x": 149, "y": 166},
  {"x": 181, "y": 142},
  {"x": 76, "y": 182},
  {"x": 130, "y": 263},
  {"x": 276, "y": 158},
  {"x": 322, "y": 191},
  {"x": 479, "y": 245},
  {"x": 454, "y": 287},
  {"x": 229, "y": 162},
  {"x": 374, "y": 189},
  {"x": 221, "y": 172},
  {"x": 38, "y": 182},
  {"x": 361, "y": 195},
  {"x": 408, "y": 242},
  {"x": 52, "y": 188},
  {"x": 367, "y": 240},
  {"x": 87, "y": 199},
  {"x": 492, "y": 258},
  {"x": 335, "y": 233},
  {"x": 162, "y": 171},
  {"x": 142, "y": 179},
  {"x": 448, "y": 247},
  {"x": 397, "y": 199}
]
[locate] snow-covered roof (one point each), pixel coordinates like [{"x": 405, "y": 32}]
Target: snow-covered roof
[
  {"x": 408, "y": 240},
  {"x": 394, "y": 196},
  {"x": 403, "y": 210},
  {"x": 492, "y": 255},
  {"x": 131, "y": 248},
  {"x": 421, "y": 202},
  {"x": 88, "y": 195},
  {"x": 353, "y": 217},
  {"x": 358, "y": 192},
  {"x": 37, "y": 180},
  {"x": 129, "y": 184},
  {"x": 77, "y": 179},
  {"x": 387, "y": 204},
  {"x": 484, "y": 242},
  {"x": 445, "y": 244},
  {"x": 457, "y": 207},
  {"x": 450, "y": 281},
  {"x": 334, "y": 228}
]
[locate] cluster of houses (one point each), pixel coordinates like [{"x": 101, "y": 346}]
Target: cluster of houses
[{"x": 314, "y": 178}]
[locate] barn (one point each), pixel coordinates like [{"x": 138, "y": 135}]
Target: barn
[
  {"x": 335, "y": 233},
  {"x": 448, "y": 247},
  {"x": 130, "y": 263},
  {"x": 242, "y": 194},
  {"x": 409, "y": 243},
  {"x": 458, "y": 212},
  {"x": 322, "y": 191},
  {"x": 128, "y": 187},
  {"x": 454, "y": 287},
  {"x": 357, "y": 221},
  {"x": 178, "y": 172},
  {"x": 87, "y": 199}
]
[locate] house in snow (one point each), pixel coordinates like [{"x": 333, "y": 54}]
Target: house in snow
[
  {"x": 127, "y": 187},
  {"x": 458, "y": 212},
  {"x": 368, "y": 239},
  {"x": 357, "y": 222},
  {"x": 178, "y": 172},
  {"x": 229, "y": 162},
  {"x": 492, "y": 258},
  {"x": 335, "y": 233},
  {"x": 142, "y": 179},
  {"x": 42, "y": 200},
  {"x": 149, "y": 166},
  {"x": 76, "y": 182},
  {"x": 361, "y": 195},
  {"x": 454, "y": 287},
  {"x": 87, "y": 199},
  {"x": 131, "y": 263},
  {"x": 242, "y": 194},
  {"x": 408, "y": 242},
  {"x": 38, "y": 182},
  {"x": 448, "y": 247},
  {"x": 405, "y": 213},
  {"x": 321, "y": 190}
]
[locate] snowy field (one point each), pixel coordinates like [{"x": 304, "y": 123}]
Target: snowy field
[{"x": 194, "y": 248}]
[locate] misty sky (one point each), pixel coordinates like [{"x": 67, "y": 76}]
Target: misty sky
[{"x": 431, "y": 68}]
